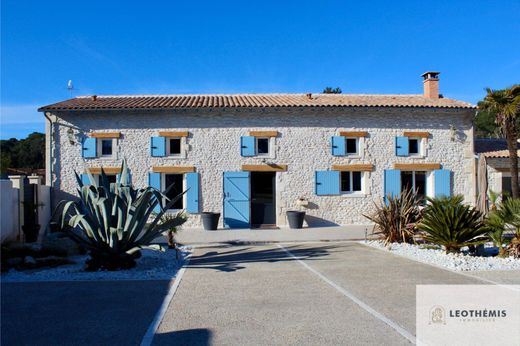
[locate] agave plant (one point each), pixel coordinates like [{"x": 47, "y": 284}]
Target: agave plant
[
  {"x": 447, "y": 221},
  {"x": 396, "y": 219},
  {"x": 504, "y": 227},
  {"x": 111, "y": 220}
]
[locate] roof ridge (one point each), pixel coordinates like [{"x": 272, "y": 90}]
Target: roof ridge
[{"x": 244, "y": 94}]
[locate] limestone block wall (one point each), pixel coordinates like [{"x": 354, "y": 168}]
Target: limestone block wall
[{"x": 303, "y": 144}]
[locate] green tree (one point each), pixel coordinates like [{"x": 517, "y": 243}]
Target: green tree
[
  {"x": 330, "y": 90},
  {"x": 505, "y": 104},
  {"x": 24, "y": 153}
]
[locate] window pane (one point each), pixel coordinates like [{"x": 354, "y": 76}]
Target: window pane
[
  {"x": 507, "y": 190},
  {"x": 351, "y": 146},
  {"x": 345, "y": 181},
  {"x": 356, "y": 181},
  {"x": 262, "y": 145},
  {"x": 413, "y": 146},
  {"x": 106, "y": 147},
  {"x": 176, "y": 189},
  {"x": 175, "y": 146},
  {"x": 420, "y": 184},
  {"x": 406, "y": 181}
]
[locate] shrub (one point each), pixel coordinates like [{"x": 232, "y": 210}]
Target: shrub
[
  {"x": 447, "y": 221},
  {"x": 503, "y": 221},
  {"x": 110, "y": 220},
  {"x": 396, "y": 218}
]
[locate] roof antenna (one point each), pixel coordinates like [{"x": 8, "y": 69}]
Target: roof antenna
[{"x": 70, "y": 87}]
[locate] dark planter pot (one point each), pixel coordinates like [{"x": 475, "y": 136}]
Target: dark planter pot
[
  {"x": 31, "y": 232},
  {"x": 210, "y": 220},
  {"x": 295, "y": 218}
]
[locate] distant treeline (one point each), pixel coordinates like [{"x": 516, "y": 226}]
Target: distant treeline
[{"x": 26, "y": 153}]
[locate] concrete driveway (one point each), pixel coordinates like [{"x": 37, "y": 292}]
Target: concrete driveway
[
  {"x": 307, "y": 293},
  {"x": 335, "y": 293}
]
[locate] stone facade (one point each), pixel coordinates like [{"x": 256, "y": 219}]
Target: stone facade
[
  {"x": 497, "y": 167},
  {"x": 303, "y": 144}
]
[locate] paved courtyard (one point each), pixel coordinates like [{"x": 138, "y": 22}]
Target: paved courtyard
[{"x": 306, "y": 293}]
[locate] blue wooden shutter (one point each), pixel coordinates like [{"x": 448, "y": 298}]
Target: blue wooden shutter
[
  {"x": 327, "y": 183},
  {"x": 392, "y": 183},
  {"x": 89, "y": 148},
  {"x": 85, "y": 179},
  {"x": 337, "y": 144},
  {"x": 192, "y": 196},
  {"x": 158, "y": 146},
  {"x": 247, "y": 145},
  {"x": 401, "y": 146},
  {"x": 442, "y": 182},
  {"x": 154, "y": 180}
]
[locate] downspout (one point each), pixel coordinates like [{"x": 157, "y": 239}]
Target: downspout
[{"x": 49, "y": 161}]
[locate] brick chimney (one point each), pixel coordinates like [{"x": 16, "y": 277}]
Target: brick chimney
[{"x": 431, "y": 84}]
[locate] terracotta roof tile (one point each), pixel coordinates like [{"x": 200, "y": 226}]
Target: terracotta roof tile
[
  {"x": 249, "y": 100},
  {"x": 498, "y": 154}
]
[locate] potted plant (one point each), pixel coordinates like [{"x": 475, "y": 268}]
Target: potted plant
[
  {"x": 296, "y": 217},
  {"x": 210, "y": 220}
]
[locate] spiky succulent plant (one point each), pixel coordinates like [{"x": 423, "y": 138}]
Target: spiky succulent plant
[
  {"x": 447, "y": 221},
  {"x": 111, "y": 220}
]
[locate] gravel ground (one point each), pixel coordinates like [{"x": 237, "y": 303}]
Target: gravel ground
[
  {"x": 153, "y": 265},
  {"x": 438, "y": 257}
]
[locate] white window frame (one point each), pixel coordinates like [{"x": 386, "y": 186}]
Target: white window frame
[
  {"x": 163, "y": 188},
  {"x": 421, "y": 143},
  {"x": 429, "y": 184},
  {"x": 364, "y": 179},
  {"x": 182, "y": 154},
  {"x": 358, "y": 147},
  {"x": 272, "y": 146},
  {"x": 99, "y": 146},
  {"x": 268, "y": 154}
]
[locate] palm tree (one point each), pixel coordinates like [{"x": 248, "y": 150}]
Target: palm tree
[{"x": 505, "y": 104}]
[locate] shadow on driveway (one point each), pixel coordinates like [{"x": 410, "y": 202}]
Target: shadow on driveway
[
  {"x": 81, "y": 313},
  {"x": 192, "y": 337},
  {"x": 231, "y": 258}
]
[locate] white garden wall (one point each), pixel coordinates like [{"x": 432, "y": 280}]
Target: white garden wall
[
  {"x": 9, "y": 211},
  {"x": 303, "y": 144}
]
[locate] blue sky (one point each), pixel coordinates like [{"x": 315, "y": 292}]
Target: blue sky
[{"x": 131, "y": 47}]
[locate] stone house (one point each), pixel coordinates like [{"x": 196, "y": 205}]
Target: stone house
[
  {"x": 494, "y": 167},
  {"x": 252, "y": 157}
]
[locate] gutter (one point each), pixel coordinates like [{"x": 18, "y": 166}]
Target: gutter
[{"x": 49, "y": 160}]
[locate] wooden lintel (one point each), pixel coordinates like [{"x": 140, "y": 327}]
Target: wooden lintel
[
  {"x": 416, "y": 134},
  {"x": 417, "y": 166},
  {"x": 173, "y": 133},
  {"x": 353, "y": 133},
  {"x": 358, "y": 167},
  {"x": 108, "y": 170},
  {"x": 105, "y": 134},
  {"x": 263, "y": 133},
  {"x": 173, "y": 169},
  {"x": 265, "y": 168}
]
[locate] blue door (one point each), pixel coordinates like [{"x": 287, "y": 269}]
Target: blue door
[{"x": 237, "y": 200}]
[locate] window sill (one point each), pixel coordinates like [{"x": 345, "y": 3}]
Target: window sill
[
  {"x": 174, "y": 157},
  {"x": 353, "y": 194}
]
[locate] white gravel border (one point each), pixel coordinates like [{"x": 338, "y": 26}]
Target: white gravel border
[
  {"x": 153, "y": 265},
  {"x": 438, "y": 257}
]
